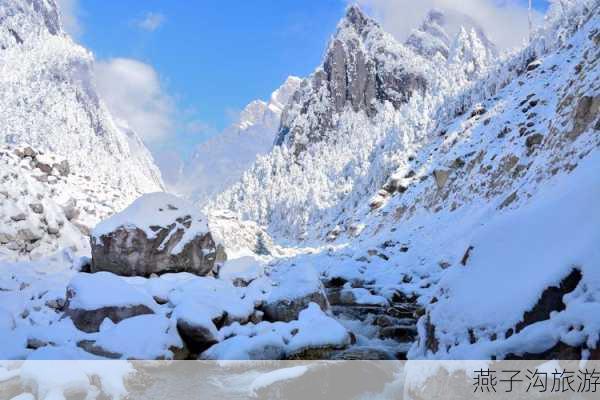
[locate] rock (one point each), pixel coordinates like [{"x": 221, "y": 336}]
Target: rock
[
  {"x": 90, "y": 320},
  {"x": 70, "y": 209},
  {"x": 93, "y": 297},
  {"x": 34, "y": 343},
  {"x": 27, "y": 235},
  {"x": 534, "y": 140},
  {"x": 465, "y": 257},
  {"x": 19, "y": 217},
  {"x": 62, "y": 167},
  {"x": 441, "y": 177},
  {"x": 197, "y": 337},
  {"x": 399, "y": 333},
  {"x": 56, "y": 304},
  {"x": 363, "y": 353},
  {"x": 37, "y": 208},
  {"x": 586, "y": 111},
  {"x": 289, "y": 309},
  {"x": 478, "y": 111},
  {"x": 44, "y": 167},
  {"x": 376, "y": 202},
  {"x": 550, "y": 300},
  {"x": 6, "y": 238},
  {"x": 158, "y": 233},
  {"x": 509, "y": 200},
  {"x": 533, "y": 65},
  {"x": 395, "y": 185},
  {"x": 91, "y": 347}
]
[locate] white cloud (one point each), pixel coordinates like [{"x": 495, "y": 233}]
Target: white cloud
[
  {"x": 504, "y": 21},
  {"x": 133, "y": 92},
  {"x": 69, "y": 12},
  {"x": 151, "y": 21}
]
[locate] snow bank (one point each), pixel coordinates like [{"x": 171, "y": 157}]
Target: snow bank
[{"x": 519, "y": 254}]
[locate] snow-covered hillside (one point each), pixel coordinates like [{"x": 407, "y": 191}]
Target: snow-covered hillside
[
  {"x": 463, "y": 196},
  {"x": 220, "y": 162},
  {"x": 48, "y": 101},
  {"x": 352, "y": 123}
]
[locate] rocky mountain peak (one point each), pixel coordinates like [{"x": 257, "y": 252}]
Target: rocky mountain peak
[
  {"x": 357, "y": 19},
  {"x": 363, "y": 67}
]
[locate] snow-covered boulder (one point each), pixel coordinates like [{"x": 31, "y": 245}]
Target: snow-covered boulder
[
  {"x": 196, "y": 328},
  {"x": 93, "y": 297},
  {"x": 157, "y": 233},
  {"x": 293, "y": 290},
  {"x": 144, "y": 337}
]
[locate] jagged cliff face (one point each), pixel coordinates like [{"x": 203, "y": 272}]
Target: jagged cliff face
[
  {"x": 362, "y": 68},
  {"x": 48, "y": 100}
]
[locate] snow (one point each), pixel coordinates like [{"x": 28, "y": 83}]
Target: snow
[
  {"x": 157, "y": 210},
  {"x": 212, "y": 297},
  {"x": 52, "y": 75},
  {"x": 131, "y": 337},
  {"x": 266, "y": 339},
  {"x": 90, "y": 292},
  {"x": 247, "y": 269}
]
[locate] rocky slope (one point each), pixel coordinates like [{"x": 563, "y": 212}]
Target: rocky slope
[
  {"x": 49, "y": 106},
  {"x": 48, "y": 101},
  {"x": 220, "y": 162}
]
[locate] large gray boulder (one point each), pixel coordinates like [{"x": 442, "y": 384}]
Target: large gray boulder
[{"x": 156, "y": 234}]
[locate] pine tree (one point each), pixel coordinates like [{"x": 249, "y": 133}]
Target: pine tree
[{"x": 261, "y": 247}]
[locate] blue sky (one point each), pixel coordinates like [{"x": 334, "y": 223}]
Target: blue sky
[{"x": 210, "y": 58}]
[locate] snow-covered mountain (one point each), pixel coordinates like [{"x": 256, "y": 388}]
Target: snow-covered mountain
[
  {"x": 475, "y": 193},
  {"x": 48, "y": 101},
  {"x": 49, "y": 106},
  {"x": 429, "y": 180},
  {"x": 220, "y": 161},
  {"x": 352, "y": 122}
]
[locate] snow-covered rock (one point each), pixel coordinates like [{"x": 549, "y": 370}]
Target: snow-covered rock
[
  {"x": 157, "y": 233},
  {"x": 278, "y": 340},
  {"x": 293, "y": 289},
  {"x": 93, "y": 297}
]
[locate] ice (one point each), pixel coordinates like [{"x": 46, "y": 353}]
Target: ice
[{"x": 279, "y": 375}]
